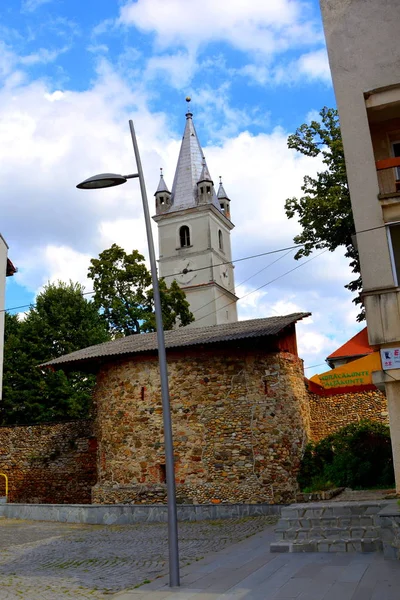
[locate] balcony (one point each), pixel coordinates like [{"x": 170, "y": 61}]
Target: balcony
[{"x": 388, "y": 170}]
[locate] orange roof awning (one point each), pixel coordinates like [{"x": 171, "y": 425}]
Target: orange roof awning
[{"x": 358, "y": 345}]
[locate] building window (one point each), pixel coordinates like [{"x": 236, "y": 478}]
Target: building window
[
  {"x": 394, "y": 249},
  {"x": 208, "y": 189},
  {"x": 220, "y": 240},
  {"x": 184, "y": 236},
  {"x": 396, "y": 154},
  {"x": 161, "y": 199}
]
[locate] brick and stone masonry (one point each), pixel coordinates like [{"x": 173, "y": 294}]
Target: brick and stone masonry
[
  {"x": 330, "y": 413},
  {"x": 54, "y": 463},
  {"x": 240, "y": 424}
]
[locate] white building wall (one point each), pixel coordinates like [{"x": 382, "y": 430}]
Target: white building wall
[{"x": 209, "y": 284}]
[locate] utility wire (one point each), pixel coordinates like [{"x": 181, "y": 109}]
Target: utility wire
[
  {"x": 263, "y": 286},
  {"x": 201, "y": 268},
  {"x": 181, "y": 272},
  {"x": 242, "y": 282},
  {"x": 229, "y": 262}
]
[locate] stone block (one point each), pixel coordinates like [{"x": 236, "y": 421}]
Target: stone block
[{"x": 280, "y": 547}]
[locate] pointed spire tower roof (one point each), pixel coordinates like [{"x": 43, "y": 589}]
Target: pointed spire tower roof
[
  {"x": 162, "y": 186},
  {"x": 189, "y": 170},
  {"x": 221, "y": 191},
  {"x": 205, "y": 173}
]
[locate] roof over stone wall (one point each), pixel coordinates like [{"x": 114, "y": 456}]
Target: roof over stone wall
[{"x": 179, "y": 338}]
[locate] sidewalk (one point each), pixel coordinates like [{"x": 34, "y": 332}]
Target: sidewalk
[{"x": 248, "y": 571}]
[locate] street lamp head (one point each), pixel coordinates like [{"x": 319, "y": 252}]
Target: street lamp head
[{"x": 103, "y": 180}]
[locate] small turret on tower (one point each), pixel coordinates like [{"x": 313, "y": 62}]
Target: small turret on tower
[
  {"x": 163, "y": 196},
  {"x": 223, "y": 200},
  {"x": 205, "y": 186}
]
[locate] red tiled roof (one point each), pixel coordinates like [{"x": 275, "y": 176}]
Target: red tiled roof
[{"x": 356, "y": 346}]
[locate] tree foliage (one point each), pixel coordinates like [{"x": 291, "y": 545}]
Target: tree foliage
[
  {"x": 123, "y": 294},
  {"x": 62, "y": 321},
  {"x": 357, "y": 456},
  {"x": 324, "y": 210}
]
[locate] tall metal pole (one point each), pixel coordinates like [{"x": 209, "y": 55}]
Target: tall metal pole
[{"x": 162, "y": 358}]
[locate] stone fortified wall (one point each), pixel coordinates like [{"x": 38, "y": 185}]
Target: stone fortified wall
[
  {"x": 330, "y": 413},
  {"x": 54, "y": 463},
  {"x": 240, "y": 423}
]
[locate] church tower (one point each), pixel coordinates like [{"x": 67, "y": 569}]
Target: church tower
[{"x": 194, "y": 235}]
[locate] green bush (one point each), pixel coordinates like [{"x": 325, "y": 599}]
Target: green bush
[{"x": 358, "y": 456}]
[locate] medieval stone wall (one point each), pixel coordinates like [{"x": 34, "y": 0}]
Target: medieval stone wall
[
  {"x": 240, "y": 423},
  {"x": 54, "y": 463},
  {"x": 330, "y": 413}
]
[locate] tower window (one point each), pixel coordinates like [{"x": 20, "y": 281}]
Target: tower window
[
  {"x": 208, "y": 189},
  {"x": 184, "y": 236},
  {"x": 222, "y": 207},
  {"x": 220, "y": 240},
  {"x": 161, "y": 199},
  {"x": 201, "y": 189}
]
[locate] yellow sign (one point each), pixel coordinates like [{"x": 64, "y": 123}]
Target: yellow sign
[{"x": 357, "y": 372}]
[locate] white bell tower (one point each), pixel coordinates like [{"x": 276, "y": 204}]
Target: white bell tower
[{"x": 194, "y": 236}]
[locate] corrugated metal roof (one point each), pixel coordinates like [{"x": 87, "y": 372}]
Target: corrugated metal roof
[{"x": 182, "y": 337}]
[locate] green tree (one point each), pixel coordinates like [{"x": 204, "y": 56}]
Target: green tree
[
  {"x": 359, "y": 455},
  {"x": 324, "y": 210},
  {"x": 62, "y": 321},
  {"x": 123, "y": 294}
]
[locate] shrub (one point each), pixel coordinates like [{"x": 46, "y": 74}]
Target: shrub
[{"x": 357, "y": 456}]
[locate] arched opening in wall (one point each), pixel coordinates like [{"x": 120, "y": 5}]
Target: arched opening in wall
[
  {"x": 220, "y": 240},
  {"x": 184, "y": 236}
]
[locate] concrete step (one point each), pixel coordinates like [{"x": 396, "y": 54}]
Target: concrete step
[
  {"x": 326, "y": 533},
  {"x": 329, "y": 545},
  {"x": 330, "y": 521},
  {"x": 338, "y": 509}
]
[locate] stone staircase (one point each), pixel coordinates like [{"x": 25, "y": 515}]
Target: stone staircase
[{"x": 330, "y": 527}]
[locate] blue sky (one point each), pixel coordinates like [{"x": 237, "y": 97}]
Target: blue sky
[{"x": 72, "y": 74}]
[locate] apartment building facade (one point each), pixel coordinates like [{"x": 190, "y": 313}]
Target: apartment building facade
[{"x": 364, "y": 57}]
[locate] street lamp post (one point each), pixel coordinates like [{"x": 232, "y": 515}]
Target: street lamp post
[{"x": 109, "y": 180}]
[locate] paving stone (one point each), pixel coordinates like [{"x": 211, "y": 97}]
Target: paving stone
[{"x": 50, "y": 561}]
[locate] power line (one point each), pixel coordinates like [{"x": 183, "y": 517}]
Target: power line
[
  {"x": 229, "y": 262},
  {"x": 262, "y": 286},
  {"x": 312, "y": 366},
  {"x": 184, "y": 272},
  {"x": 32, "y": 305},
  {"x": 217, "y": 265},
  {"x": 242, "y": 282}
]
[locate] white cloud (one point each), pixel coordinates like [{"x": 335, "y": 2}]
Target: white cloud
[
  {"x": 184, "y": 29},
  {"x": 52, "y": 139},
  {"x": 315, "y": 65},
  {"x": 32, "y": 5},
  {"x": 268, "y": 27},
  {"x": 43, "y": 55}
]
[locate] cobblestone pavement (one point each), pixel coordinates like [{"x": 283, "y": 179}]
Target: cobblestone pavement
[{"x": 51, "y": 561}]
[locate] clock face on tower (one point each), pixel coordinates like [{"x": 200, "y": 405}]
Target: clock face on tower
[
  {"x": 185, "y": 272},
  {"x": 224, "y": 275}
]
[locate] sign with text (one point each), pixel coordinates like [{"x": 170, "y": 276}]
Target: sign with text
[
  {"x": 355, "y": 373},
  {"x": 390, "y": 358}
]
